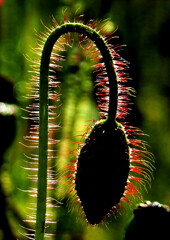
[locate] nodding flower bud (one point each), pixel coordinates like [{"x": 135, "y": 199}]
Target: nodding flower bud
[
  {"x": 111, "y": 163},
  {"x": 102, "y": 170}
]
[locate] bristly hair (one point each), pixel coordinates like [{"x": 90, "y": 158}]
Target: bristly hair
[
  {"x": 140, "y": 160},
  {"x": 140, "y": 167},
  {"x": 32, "y": 140}
]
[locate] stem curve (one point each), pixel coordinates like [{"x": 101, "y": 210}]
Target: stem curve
[{"x": 43, "y": 106}]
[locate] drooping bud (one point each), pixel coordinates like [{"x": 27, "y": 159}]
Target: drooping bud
[{"x": 102, "y": 170}]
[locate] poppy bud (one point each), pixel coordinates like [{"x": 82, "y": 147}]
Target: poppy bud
[{"x": 102, "y": 170}]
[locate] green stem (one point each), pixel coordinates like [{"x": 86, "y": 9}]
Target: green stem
[{"x": 43, "y": 107}]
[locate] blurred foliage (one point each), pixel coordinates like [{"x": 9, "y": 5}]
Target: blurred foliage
[{"x": 143, "y": 26}]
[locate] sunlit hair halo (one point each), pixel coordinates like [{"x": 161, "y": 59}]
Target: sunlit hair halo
[{"x": 111, "y": 163}]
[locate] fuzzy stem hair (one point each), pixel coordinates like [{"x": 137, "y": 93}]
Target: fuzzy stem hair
[{"x": 101, "y": 44}]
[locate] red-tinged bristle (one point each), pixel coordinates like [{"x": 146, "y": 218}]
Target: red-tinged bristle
[
  {"x": 55, "y": 23},
  {"x": 80, "y": 19}
]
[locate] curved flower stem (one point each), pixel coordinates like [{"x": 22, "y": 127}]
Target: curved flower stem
[{"x": 43, "y": 106}]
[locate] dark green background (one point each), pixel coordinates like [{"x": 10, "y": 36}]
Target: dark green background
[{"x": 144, "y": 27}]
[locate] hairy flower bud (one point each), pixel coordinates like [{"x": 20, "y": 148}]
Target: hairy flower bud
[{"x": 102, "y": 170}]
